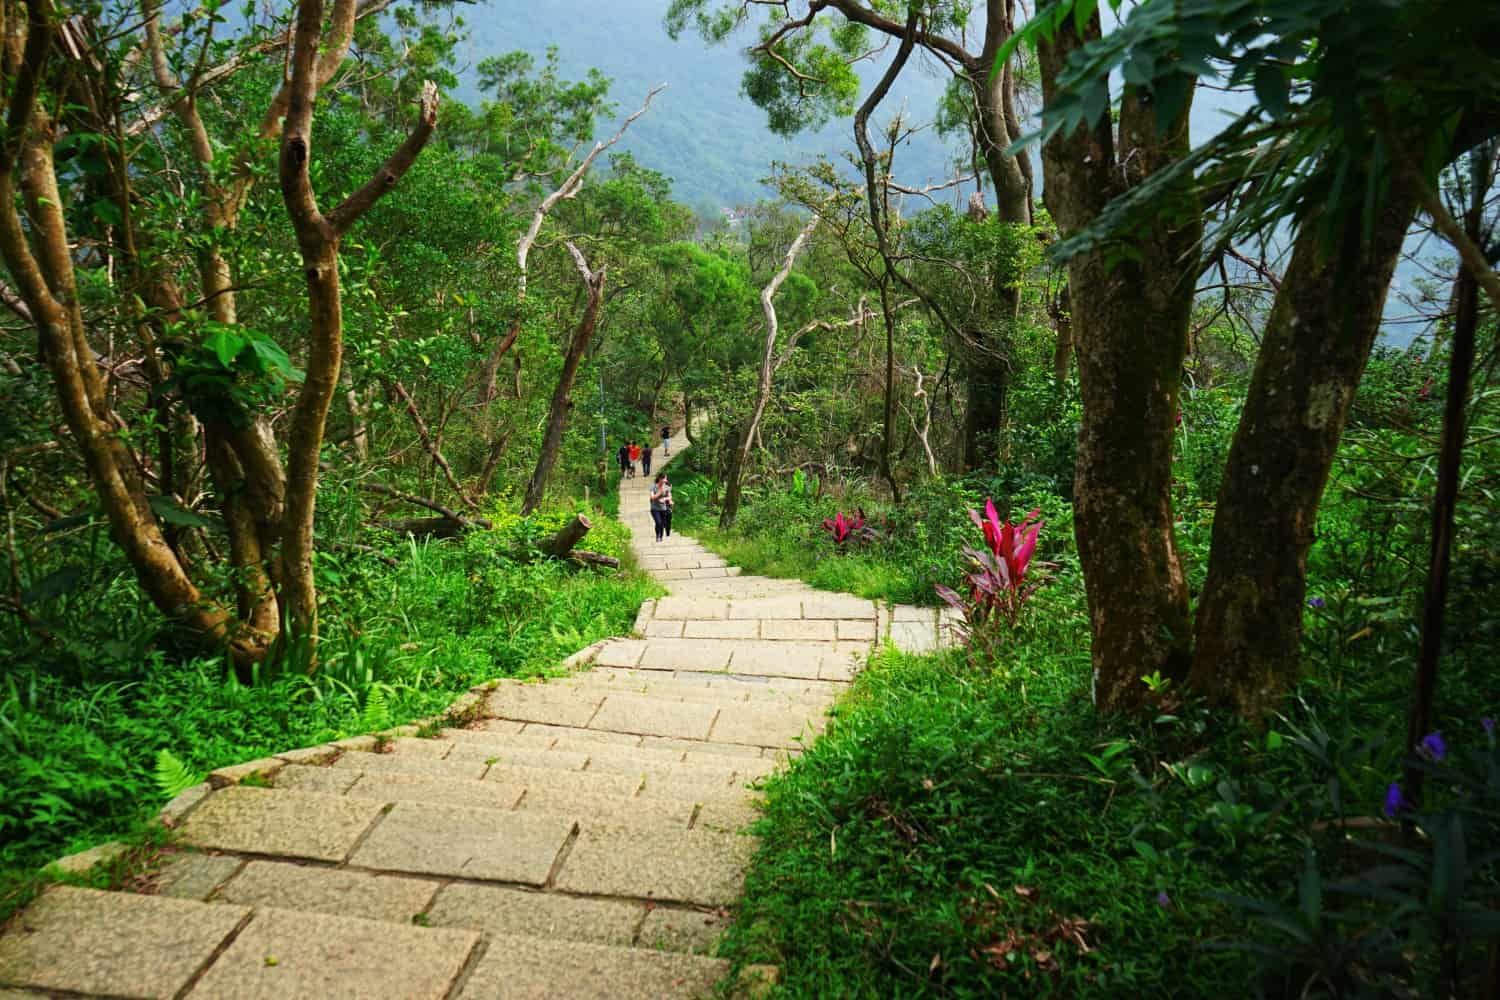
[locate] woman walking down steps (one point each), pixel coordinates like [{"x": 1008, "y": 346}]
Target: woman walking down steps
[{"x": 661, "y": 506}]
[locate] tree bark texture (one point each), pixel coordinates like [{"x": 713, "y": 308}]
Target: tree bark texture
[
  {"x": 1450, "y": 463},
  {"x": 39, "y": 257},
  {"x": 1313, "y": 352},
  {"x": 318, "y": 238},
  {"x": 731, "y": 505},
  {"x": 1130, "y": 324},
  {"x": 557, "y": 416}
]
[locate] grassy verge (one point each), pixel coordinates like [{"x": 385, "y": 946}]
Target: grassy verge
[
  {"x": 965, "y": 830},
  {"x": 400, "y": 643}
]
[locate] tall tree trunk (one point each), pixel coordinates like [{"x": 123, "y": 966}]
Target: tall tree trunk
[
  {"x": 1317, "y": 339},
  {"x": 731, "y": 507},
  {"x": 359, "y": 428},
  {"x": 1450, "y": 462},
  {"x": 318, "y": 238},
  {"x": 557, "y": 416},
  {"x": 1130, "y": 326},
  {"x": 45, "y": 281}
]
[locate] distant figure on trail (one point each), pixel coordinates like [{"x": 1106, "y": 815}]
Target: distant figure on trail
[
  {"x": 666, "y": 440},
  {"x": 646, "y": 459},
  {"x": 623, "y": 457},
  {"x": 635, "y": 456},
  {"x": 661, "y": 506}
]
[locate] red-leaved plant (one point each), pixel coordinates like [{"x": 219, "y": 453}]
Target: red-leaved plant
[
  {"x": 998, "y": 589},
  {"x": 849, "y": 529}
]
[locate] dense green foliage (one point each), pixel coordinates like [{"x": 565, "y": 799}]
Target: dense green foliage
[
  {"x": 968, "y": 819},
  {"x": 81, "y": 722}
]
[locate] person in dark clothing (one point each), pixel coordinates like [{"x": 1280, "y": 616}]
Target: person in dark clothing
[
  {"x": 666, "y": 440},
  {"x": 661, "y": 506},
  {"x": 646, "y": 459},
  {"x": 623, "y": 457}
]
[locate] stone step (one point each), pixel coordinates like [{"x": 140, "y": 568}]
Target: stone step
[
  {"x": 532, "y": 967},
  {"x": 292, "y": 931}
]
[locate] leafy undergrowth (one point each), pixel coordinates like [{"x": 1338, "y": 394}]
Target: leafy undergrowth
[
  {"x": 80, "y": 740},
  {"x": 965, "y": 830},
  {"x": 898, "y": 554}
]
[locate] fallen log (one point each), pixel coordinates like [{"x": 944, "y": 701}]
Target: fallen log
[
  {"x": 596, "y": 559},
  {"x": 569, "y": 535},
  {"x": 429, "y": 527}
]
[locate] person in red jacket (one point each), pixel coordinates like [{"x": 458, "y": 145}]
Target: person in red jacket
[{"x": 635, "y": 456}]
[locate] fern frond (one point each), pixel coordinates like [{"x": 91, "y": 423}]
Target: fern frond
[
  {"x": 377, "y": 713},
  {"x": 174, "y": 777}
]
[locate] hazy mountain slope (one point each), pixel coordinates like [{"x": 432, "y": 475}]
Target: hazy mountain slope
[{"x": 700, "y": 131}]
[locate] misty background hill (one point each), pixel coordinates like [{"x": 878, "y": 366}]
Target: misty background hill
[{"x": 700, "y": 131}]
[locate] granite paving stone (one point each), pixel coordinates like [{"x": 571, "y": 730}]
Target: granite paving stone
[
  {"x": 424, "y": 767},
  {"x": 281, "y": 822},
  {"x": 801, "y": 629},
  {"x": 495, "y": 910},
  {"x": 465, "y": 843},
  {"x": 498, "y": 793},
  {"x": 780, "y": 659},
  {"x": 190, "y": 875},
  {"x": 764, "y": 727},
  {"x": 686, "y": 866},
  {"x": 112, "y": 943},
  {"x": 745, "y": 628},
  {"x": 530, "y": 968},
  {"x": 329, "y": 890},
  {"x": 289, "y": 955},
  {"x": 704, "y": 655},
  {"x": 672, "y": 929},
  {"x": 639, "y": 714}
]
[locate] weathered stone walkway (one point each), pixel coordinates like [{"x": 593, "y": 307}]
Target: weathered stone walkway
[{"x": 573, "y": 838}]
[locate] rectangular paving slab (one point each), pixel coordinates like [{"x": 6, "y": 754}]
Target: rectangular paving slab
[
  {"x": 392, "y": 787},
  {"x": 691, "y": 608},
  {"x": 495, "y": 910},
  {"x": 686, "y": 866},
  {"x": 529, "y": 968},
  {"x": 112, "y": 943},
  {"x": 329, "y": 890},
  {"x": 744, "y": 628},
  {"x": 620, "y": 653},
  {"x": 280, "y": 821},
  {"x": 465, "y": 843},
  {"x": 536, "y": 703},
  {"x": 778, "y": 659},
  {"x": 285, "y": 954},
  {"x": 655, "y": 717},
  {"x": 765, "y": 727},
  {"x": 703, "y": 655},
  {"x": 424, "y": 767}
]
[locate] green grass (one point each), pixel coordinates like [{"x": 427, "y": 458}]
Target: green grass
[
  {"x": 80, "y": 742},
  {"x": 968, "y": 829}
]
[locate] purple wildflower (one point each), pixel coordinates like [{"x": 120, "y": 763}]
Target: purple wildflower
[
  {"x": 1163, "y": 900},
  {"x": 1395, "y": 799},
  {"x": 1433, "y": 746},
  {"x": 1317, "y": 602},
  {"x": 1488, "y": 724}
]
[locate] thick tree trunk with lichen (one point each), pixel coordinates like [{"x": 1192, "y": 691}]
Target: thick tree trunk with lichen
[
  {"x": 1316, "y": 343},
  {"x": 1130, "y": 325}
]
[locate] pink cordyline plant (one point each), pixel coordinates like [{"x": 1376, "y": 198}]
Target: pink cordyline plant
[
  {"x": 851, "y": 528},
  {"x": 997, "y": 578}
]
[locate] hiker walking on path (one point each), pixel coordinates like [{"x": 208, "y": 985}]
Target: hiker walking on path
[
  {"x": 623, "y": 457},
  {"x": 646, "y": 459},
  {"x": 666, "y": 440},
  {"x": 635, "y": 456},
  {"x": 661, "y": 506}
]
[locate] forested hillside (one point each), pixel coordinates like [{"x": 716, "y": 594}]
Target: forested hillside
[
  {"x": 1065, "y": 569},
  {"x": 709, "y": 138}
]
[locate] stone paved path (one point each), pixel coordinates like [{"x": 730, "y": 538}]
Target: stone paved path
[{"x": 573, "y": 838}]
